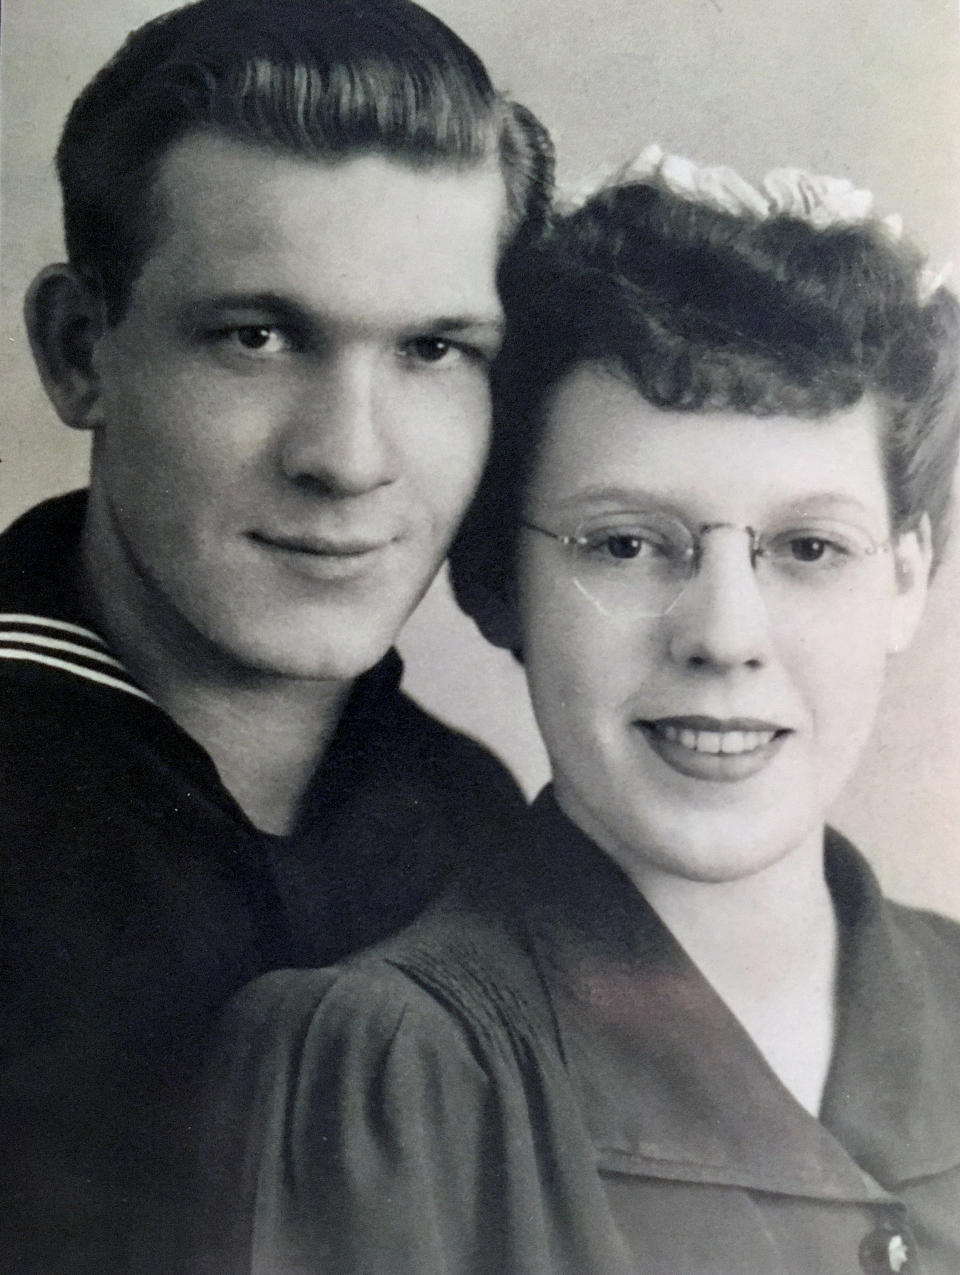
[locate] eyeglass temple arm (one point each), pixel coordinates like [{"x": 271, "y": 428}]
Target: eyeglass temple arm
[{"x": 544, "y": 531}]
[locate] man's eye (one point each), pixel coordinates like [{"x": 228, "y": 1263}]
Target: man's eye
[
  {"x": 256, "y": 338},
  {"x": 432, "y": 349}
]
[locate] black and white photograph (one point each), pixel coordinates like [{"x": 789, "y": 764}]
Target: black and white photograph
[{"x": 479, "y": 613}]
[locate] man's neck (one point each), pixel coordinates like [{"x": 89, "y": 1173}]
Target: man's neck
[{"x": 265, "y": 740}]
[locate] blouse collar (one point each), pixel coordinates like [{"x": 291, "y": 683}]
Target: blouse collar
[{"x": 672, "y": 1085}]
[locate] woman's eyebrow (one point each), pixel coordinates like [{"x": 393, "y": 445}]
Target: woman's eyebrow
[
  {"x": 821, "y": 503},
  {"x": 604, "y": 498},
  {"x": 612, "y": 496}
]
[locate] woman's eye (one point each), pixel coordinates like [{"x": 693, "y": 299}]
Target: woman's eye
[
  {"x": 818, "y": 547},
  {"x": 622, "y": 545},
  {"x": 813, "y": 550},
  {"x": 809, "y": 549}
]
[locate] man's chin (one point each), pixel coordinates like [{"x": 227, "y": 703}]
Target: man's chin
[{"x": 341, "y": 656}]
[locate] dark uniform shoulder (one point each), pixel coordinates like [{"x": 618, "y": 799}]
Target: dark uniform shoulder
[{"x": 467, "y": 765}]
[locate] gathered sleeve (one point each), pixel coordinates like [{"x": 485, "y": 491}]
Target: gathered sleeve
[
  {"x": 349, "y": 1128},
  {"x": 381, "y": 1120}
]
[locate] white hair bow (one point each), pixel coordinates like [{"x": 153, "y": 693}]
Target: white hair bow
[{"x": 785, "y": 192}]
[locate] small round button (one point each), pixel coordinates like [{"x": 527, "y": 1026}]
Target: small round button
[{"x": 885, "y": 1250}]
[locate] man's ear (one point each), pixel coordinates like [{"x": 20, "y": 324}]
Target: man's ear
[
  {"x": 66, "y": 317},
  {"x": 912, "y": 557}
]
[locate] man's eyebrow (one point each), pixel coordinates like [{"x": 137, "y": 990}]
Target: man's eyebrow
[
  {"x": 458, "y": 323},
  {"x": 489, "y": 323},
  {"x": 268, "y": 302}
]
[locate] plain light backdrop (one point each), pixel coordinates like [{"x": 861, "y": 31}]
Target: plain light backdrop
[{"x": 868, "y": 89}]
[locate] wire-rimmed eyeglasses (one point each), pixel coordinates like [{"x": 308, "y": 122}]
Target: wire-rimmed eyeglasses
[{"x": 639, "y": 562}]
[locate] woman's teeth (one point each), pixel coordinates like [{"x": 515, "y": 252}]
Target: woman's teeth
[{"x": 713, "y": 741}]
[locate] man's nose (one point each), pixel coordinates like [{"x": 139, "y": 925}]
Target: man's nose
[
  {"x": 721, "y": 620},
  {"x": 336, "y": 435}
]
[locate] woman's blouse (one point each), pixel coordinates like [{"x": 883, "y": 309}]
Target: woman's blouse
[{"x": 536, "y": 1080}]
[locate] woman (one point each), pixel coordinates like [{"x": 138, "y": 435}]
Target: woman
[{"x": 681, "y": 1031}]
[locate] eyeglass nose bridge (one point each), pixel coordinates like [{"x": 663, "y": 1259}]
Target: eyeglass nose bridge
[
  {"x": 705, "y": 528},
  {"x": 694, "y": 555}
]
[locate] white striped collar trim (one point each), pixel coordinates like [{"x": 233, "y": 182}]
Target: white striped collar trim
[{"x": 69, "y": 648}]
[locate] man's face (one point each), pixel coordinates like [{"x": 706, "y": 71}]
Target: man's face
[{"x": 293, "y": 412}]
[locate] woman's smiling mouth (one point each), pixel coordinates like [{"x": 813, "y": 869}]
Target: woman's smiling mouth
[{"x": 714, "y": 749}]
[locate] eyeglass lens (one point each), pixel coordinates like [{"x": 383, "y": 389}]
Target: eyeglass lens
[{"x": 640, "y": 563}]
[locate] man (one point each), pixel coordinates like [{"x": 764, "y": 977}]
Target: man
[{"x": 283, "y": 221}]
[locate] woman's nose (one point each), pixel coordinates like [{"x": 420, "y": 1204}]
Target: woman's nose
[
  {"x": 720, "y": 620},
  {"x": 337, "y": 433}
]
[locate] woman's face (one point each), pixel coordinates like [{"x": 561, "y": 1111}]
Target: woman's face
[{"x": 708, "y": 742}]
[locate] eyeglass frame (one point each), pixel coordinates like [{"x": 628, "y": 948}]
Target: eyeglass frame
[{"x": 692, "y": 555}]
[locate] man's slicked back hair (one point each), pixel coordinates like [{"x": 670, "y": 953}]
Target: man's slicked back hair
[{"x": 323, "y": 79}]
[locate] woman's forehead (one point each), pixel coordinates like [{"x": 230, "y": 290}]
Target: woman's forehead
[{"x": 604, "y": 446}]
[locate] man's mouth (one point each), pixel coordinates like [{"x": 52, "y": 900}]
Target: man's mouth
[
  {"x": 325, "y": 561},
  {"x": 319, "y": 546},
  {"x": 712, "y": 748}
]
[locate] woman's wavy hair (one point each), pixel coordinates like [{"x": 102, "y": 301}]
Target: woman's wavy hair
[
  {"x": 704, "y": 310},
  {"x": 323, "y": 79}
]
